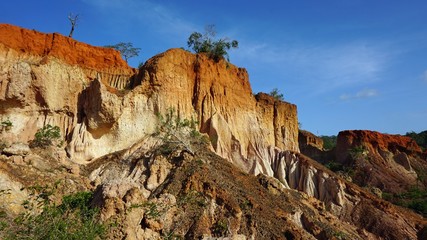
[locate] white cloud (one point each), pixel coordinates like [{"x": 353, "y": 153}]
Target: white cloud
[
  {"x": 326, "y": 67},
  {"x": 365, "y": 93},
  {"x": 425, "y": 76}
]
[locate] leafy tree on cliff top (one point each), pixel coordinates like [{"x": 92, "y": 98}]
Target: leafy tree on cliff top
[
  {"x": 126, "y": 50},
  {"x": 205, "y": 43},
  {"x": 275, "y": 92}
]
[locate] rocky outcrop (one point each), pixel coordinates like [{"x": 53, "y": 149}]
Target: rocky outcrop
[
  {"x": 219, "y": 96},
  {"x": 204, "y": 196},
  {"x": 311, "y": 145},
  {"x": 345, "y": 200},
  {"x": 389, "y": 162},
  {"x": 52, "y": 79},
  {"x": 42, "y": 77}
]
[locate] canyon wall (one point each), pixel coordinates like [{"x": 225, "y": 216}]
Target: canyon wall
[
  {"x": 101, "y": 105},
  {"x": 106, "y": 109}
]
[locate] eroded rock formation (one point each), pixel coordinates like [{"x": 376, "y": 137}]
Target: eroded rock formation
[
  {"x": 82, "y": 93},
  {"x": 390, "y": 162},
  {"x": 42, "y": 77},
  {"x": 108, "y": 113}
]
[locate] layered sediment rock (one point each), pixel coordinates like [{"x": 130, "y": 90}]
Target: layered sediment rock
[
  {"x": 345, "y": 200},
  {"x": 389, "y": 162},
  {"x": 42, "y": 77},
  {"x": 103, "y": 106},
  {"x": 51, "y": 79}
]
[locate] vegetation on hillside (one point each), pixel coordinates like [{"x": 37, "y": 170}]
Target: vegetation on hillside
[
  {"x": 206, "y": 43},
  {"x": 74, "y": 218},
  {"x": 415, "y": 199},
  {"x": 46, "y": 136},
  {"x": 329, "y": 142},
  {"x": 420, "y": 138}
]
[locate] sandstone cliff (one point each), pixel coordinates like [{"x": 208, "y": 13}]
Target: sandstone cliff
[
  {"x": 42, "y": 77},
  {"x": 101, "y": 107}
]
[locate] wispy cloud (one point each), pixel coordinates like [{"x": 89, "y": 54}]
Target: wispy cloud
[
  {"x": 365, "y": 93},
  {"x": 146, "y": 13},
  {"x": 424, "y": 77},
  {"x": 327, "y": 67}
]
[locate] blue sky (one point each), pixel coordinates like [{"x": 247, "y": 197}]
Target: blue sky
[{"x": 346, "y": 64}]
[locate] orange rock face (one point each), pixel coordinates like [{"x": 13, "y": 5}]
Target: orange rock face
[
  {"x": 56, "y": 45},
  {"x": 43, "y": 75},
  {"x": 241, "y": 126},
  {"x": 378, "y": 141},
  {"x": 101, "y": 107}
]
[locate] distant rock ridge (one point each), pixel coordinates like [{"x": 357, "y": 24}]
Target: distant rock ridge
[{"x": 391, "y": 163}]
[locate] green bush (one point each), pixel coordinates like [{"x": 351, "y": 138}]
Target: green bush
[
  {"x": 358, "y": 152},
  {"x": 45, "y": 136},
  {"x": 334, "y": 166},
  {"x": 205, "y": 43},
  {"x": 415, "y": 199},
  {"x": 420, "y": 138},
  {"x": 220, "y": 228},
  {"x": 329, "y": 142},
  {"x": 277, "y": 94},
  {"x": 73, "y": 219},
  {"x": 177, "y": 132},
  {"x": 6, "y": 123}
]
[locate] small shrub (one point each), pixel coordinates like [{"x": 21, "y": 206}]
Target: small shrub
[
  {"x": 275, "y": 92},
  {"x": 6, "y": 125},
  {"x": 334, "y": 166},
  {"x": 220, "y": 228},
  {"x": 419, "y": 206},
  {"x": 45, "y": 136},
  {"x": 175, "y": 131},
  {"x": 3, "y": 145},
  {"x": 329, "y": 142},
  {"x": 415, "y": 199},
  {"x": 194, "y": 199},
  {"x": 358, "y": 152},
  {"x": 151, "y": 210}
]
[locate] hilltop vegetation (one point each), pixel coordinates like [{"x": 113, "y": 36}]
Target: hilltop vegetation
[{"x": 420, "y": 138}]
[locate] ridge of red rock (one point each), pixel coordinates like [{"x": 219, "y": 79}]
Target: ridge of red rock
[
  {"x": 56, "y": 45},
  {"x": 378, "y": 140},
  {"x": 389, "y": 162}
]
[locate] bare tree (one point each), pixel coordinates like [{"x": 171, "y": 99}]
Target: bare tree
[{"x": 73, "y": 20}]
